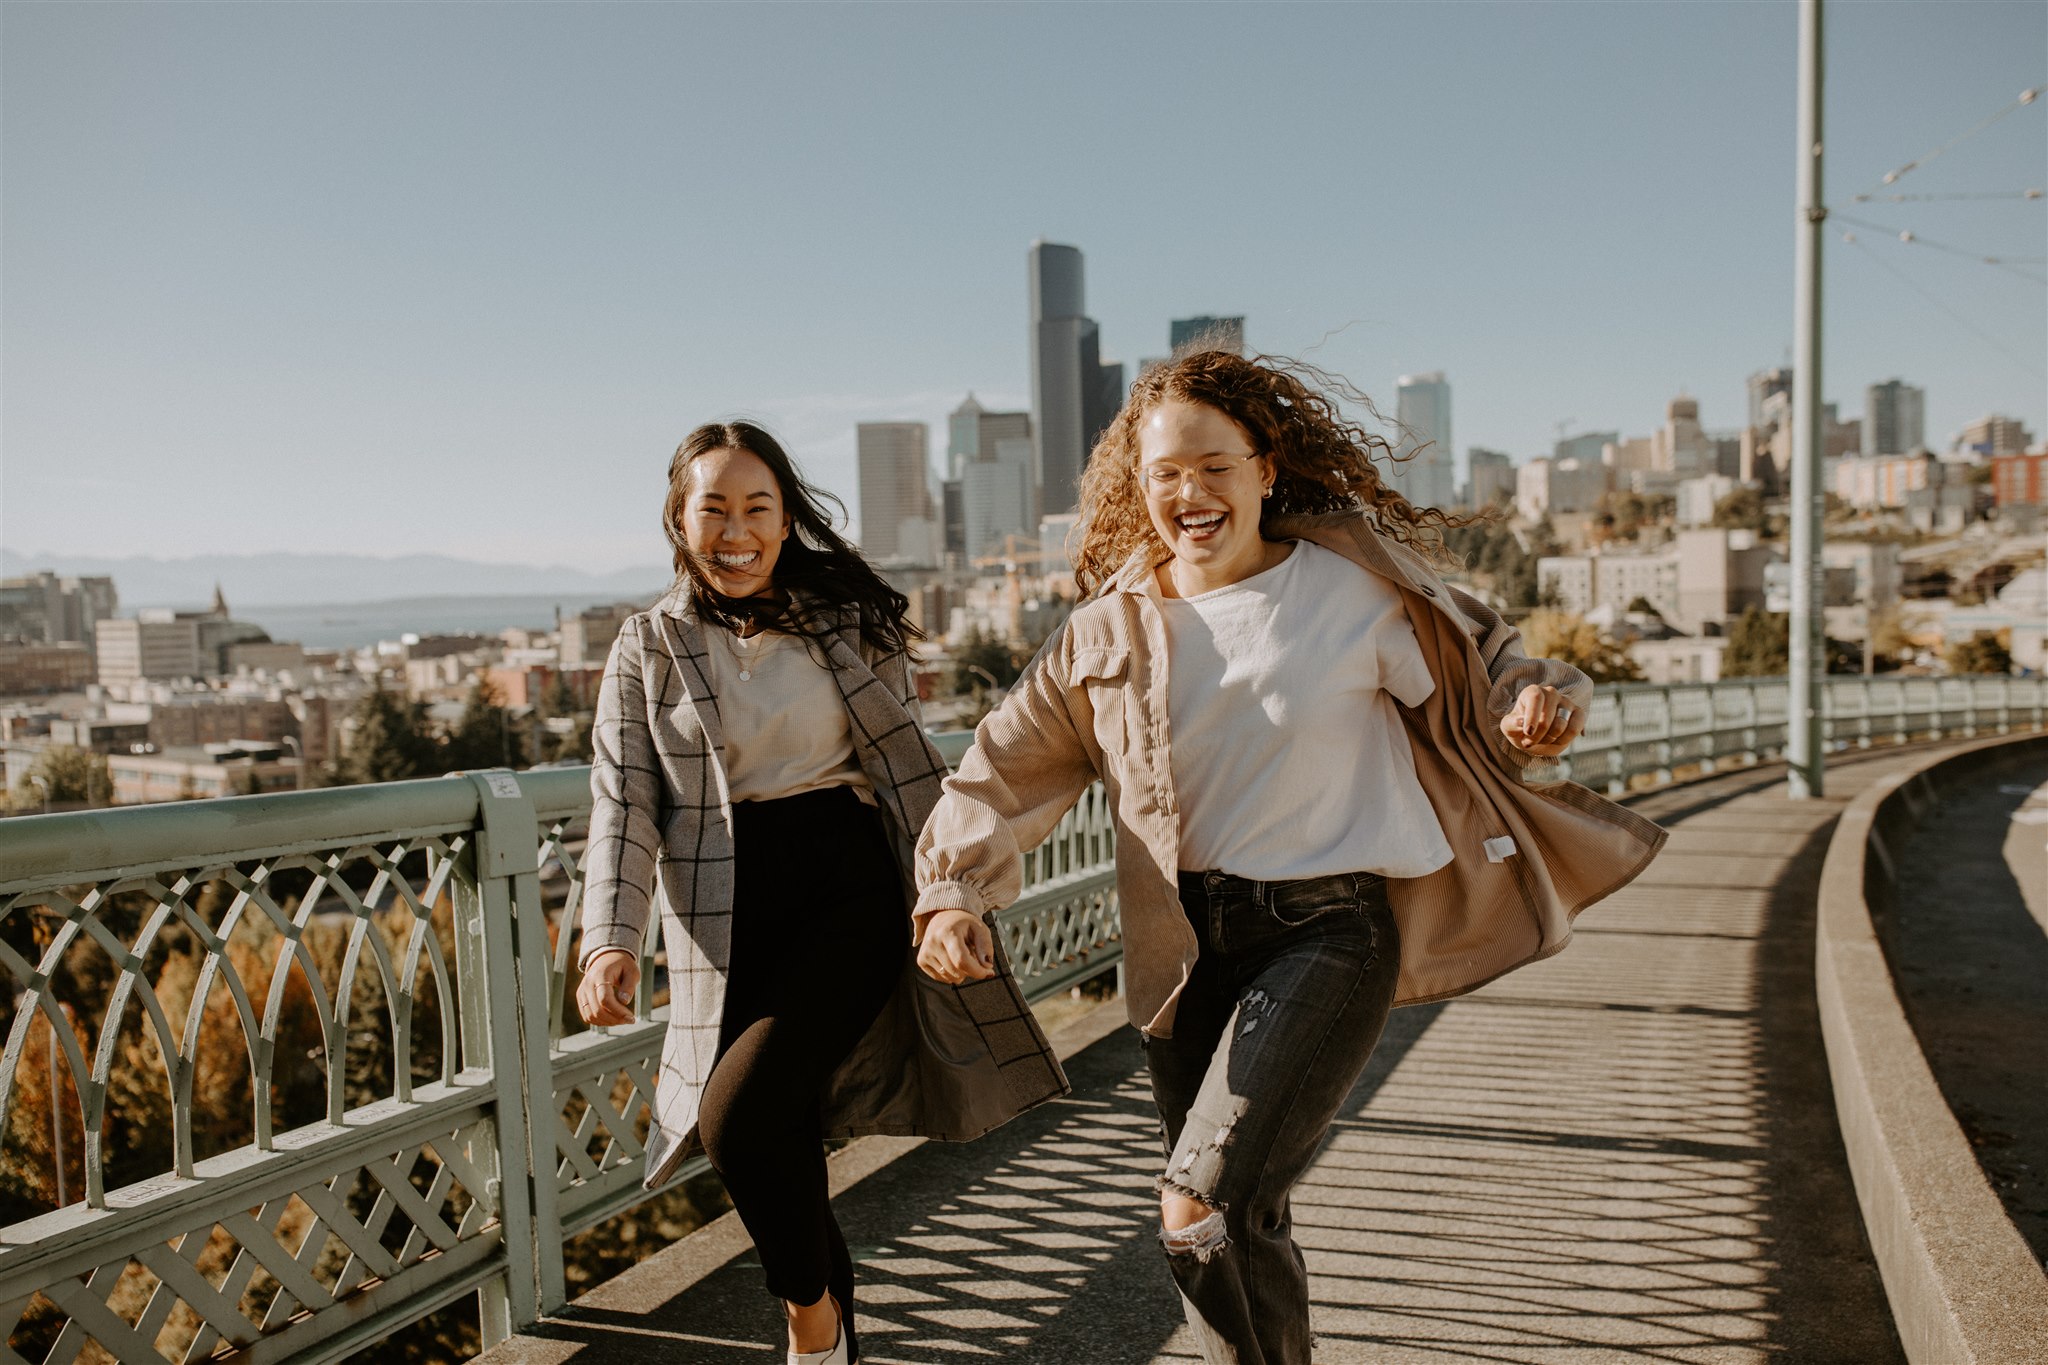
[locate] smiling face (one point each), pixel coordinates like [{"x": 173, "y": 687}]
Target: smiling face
[
  {"x": 1203, "y": 484},
  {"x": 734, "y": 520}
]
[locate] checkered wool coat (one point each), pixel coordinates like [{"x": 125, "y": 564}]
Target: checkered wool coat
[{"x": 942, "y": 1061}]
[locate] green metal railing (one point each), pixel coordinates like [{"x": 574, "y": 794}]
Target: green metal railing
[
  {"x": 223, "y": 976},
  {"x": 283, "y": 1074}
]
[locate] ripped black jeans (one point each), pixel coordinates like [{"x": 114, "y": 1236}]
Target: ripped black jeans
[{"x": 1275, "y": 1026}]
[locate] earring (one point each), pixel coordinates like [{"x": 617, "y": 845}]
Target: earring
[{"x": 1269, "y": 491}]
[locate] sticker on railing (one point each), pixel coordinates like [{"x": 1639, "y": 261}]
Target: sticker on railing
[{"x": 502, "y": 784}]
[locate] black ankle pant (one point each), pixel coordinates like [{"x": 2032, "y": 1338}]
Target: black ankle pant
[{"x": 819, "y": 936}]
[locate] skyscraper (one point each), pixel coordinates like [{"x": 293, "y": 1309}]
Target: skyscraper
[
  {"x": 1423, "y": 409},
  {"x": 963, "y": 435},
  {"x": 1894, "y": 418},
  {"x": 1215, "y": 334},
  {"x": 1762, "y": 385},
  {"x": 896, "y": 520},
  {"x": 1681, "y": 447},
  {"x": 997, "y": 491},
  {"x": 1491, "y": 482},
  {"x": 1073, "y": 394}
]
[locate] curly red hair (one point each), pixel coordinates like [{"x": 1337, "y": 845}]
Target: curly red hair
[{"x": 1288, "y": 410}]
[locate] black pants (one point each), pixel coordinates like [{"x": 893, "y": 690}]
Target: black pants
[{"x": 819, "y": 938}]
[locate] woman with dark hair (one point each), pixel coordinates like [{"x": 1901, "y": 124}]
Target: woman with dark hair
[
  {"x": 760, "y": 760},
  {"x": 1313, "y": 748}
]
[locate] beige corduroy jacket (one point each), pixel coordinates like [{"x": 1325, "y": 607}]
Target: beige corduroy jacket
[{"x": 1526, "y": 858}]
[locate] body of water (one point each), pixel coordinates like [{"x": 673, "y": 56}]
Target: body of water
[{"x": 352, "y": 625}]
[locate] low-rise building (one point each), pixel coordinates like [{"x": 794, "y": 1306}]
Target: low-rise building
[
  {"x": 1680, "y": 658},
  {"x": 1875, "y": 565},
  {"x": 195, "y": 773},
  {"x": 586, "y": 638},
  {"x": 2020, "y": 480},
  {"x": 31, "y": 668},
  {"x": 1546, "y": 487},
  {"x": 1698, "y": 497}
]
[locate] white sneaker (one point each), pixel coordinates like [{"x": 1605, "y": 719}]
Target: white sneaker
[{"x": 836, "y": 1356}]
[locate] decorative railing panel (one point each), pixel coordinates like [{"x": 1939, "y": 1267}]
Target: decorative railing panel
[{"x": 271, "y": 1078}]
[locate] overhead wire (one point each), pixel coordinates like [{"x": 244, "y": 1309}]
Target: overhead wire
[
  {"x": 1911, "y": 238},
  {"x": 1928, "y": 198},
  {"x": 1853, "y": 240},
  {"x": 2024, "y": 98}
]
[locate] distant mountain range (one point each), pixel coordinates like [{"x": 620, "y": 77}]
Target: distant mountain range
[{"x": 294, "y": 580}]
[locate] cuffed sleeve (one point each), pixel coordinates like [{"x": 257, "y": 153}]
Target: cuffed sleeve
[
  {"x": 1509, "y": 670},
  {"x": 1028, "y": 766},
  {"x": 625, "y": 787}
]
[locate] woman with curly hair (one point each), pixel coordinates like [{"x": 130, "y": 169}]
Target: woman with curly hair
[
  {"x": 761, "y": 762},
  {"x": 1313, "y": 748}
]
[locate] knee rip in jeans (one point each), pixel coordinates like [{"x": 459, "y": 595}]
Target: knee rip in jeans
[{"x": 1204, "y": 1239}]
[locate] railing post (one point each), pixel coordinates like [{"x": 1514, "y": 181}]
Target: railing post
[
  {"x": 511, "y": 829},
  {"x": 1664, "y": 742},
  {"x": 487, "y": 944}
]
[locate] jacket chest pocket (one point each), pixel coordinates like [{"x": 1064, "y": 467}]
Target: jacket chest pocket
[{"x": 1103, "y": 676}]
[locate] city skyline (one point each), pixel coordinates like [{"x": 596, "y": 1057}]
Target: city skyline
[{"x": 414, "y": 334}]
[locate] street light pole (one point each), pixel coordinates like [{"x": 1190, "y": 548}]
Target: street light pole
[
  {"x": 1808, "y": 664},
  {"x": 299, "y": 762},
  {"x": 42, "y": 786}
]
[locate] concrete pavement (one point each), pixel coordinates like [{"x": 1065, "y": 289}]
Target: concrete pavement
[{"x": 1626, "y": 1153}]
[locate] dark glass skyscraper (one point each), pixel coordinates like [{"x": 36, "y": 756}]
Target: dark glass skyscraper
[
  {"x": 1073, "y": 394},
  {"x": 1215, "y": 334}
]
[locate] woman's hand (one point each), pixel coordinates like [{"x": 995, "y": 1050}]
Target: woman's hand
[
  {"x": 606, "y": 995},
  {"x": 1543, "y": 722},
  {"x": 957, "y": 948}
]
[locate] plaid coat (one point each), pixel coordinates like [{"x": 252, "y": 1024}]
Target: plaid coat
[{"x": 942, "y": 1061}]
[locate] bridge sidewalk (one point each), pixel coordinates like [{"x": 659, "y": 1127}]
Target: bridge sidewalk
[{"x": 1625, "y": 1153}]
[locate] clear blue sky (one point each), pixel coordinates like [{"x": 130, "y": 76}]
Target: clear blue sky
[{"x": 391, "y": 277}]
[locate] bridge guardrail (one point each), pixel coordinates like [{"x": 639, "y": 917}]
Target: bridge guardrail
[{"x": 335, "y": 1015}]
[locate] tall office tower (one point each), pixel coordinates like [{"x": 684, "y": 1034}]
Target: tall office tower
[
  {"x": 1073, "y": 394},
  {"x": 1681, "y": 446},
  {"x": 1492, "y": 480},
  {"x": 1762, "y": 385},
  {"x": 1215, "y": 334},
  {"x": 1894, "y": 418},
  {"x": 963, "y": 435},
  {"x": 896, "y": 520},
  {"x": 1423, "y": 408},
  {"x": 996, "y": 498}
]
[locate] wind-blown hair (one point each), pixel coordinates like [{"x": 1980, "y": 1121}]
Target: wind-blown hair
[
  {"x": 1288, "y": 410},
  {"x": 819, "y": 582}
]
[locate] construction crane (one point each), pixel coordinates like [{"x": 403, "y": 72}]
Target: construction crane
[{"x": 1014, "y": 554}]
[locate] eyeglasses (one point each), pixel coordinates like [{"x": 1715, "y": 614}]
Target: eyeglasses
[{"x": 1212, "y": 475}]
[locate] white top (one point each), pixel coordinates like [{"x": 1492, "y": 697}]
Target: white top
[
  {"x": 1289, "y": 756},
  {"x": 786, "y": 729}
]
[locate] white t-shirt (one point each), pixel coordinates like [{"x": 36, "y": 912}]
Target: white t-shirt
[
  {"x": 785, "y": 723},
  {"x": 1289, "y": 757}
]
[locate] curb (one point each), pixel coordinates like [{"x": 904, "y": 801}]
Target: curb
[{"x": 1964, "y": 1287}]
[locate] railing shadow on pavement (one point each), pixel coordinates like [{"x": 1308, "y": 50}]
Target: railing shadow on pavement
[{"x": 273, "y": 1078}]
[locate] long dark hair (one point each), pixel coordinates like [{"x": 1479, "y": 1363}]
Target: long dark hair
[
  {"x": 821, "y": 583},
  {"x": 1324, "y": 461}
]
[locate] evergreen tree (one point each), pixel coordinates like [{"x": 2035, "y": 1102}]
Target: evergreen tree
[
  {"x": 72, "y": 775},
  {"x": 391, "y": 742},
  {"x": 1759, "y": 645},
  {"x": 1983, "y": 652},
  {"x": 483, "y": 737}
]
